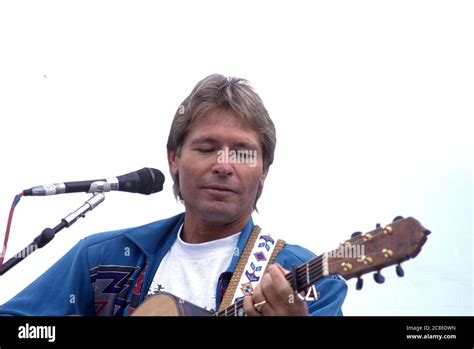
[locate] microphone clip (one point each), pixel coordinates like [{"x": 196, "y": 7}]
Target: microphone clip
[
  {"x": 89, "y": 205},
  {"x": 102, "y": 186}
]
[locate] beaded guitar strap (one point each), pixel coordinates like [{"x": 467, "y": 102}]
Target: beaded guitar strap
[{"x": 259, "y": 252}]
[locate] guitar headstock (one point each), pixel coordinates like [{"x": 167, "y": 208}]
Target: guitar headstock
[{"x": 378, "y": 249}]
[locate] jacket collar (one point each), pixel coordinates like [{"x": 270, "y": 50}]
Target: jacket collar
[
  {"x": 152, "y": 237},
  {"x": 161, "y": 235}
]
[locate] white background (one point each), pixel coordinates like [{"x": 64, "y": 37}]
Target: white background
[{"x": 371, "y": 102}]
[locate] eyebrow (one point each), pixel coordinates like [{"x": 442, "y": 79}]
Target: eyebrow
[
  {"x": 244, "y": 145},
  {"x": 207, "y": 140}
]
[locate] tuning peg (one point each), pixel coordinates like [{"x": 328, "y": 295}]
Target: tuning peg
[
  {"x": 400, "y": 271},
  {"x": 359, "y": 284},
  {"x": 397, "y": 218},
  {"x": 379, "y": 278},
  {"x": 378, "y": 225},
  {"x": 357, "y": 233}
]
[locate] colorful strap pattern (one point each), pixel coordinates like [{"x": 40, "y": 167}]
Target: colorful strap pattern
[{"x": 260, "y": 251}]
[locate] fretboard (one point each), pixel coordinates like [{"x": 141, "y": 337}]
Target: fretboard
[{"x": 300, "y": 278}]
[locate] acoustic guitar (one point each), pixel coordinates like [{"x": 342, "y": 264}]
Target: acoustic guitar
[{"x": 363, "y": 253}]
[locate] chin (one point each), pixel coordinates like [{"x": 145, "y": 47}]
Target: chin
[{"x": 220, "y": 213}]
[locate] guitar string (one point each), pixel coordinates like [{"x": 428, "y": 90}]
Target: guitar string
[
  {"x": 315, "y": 265},
  {"x": 234, "y": 309},
  {"x": 316, "y": 268}
]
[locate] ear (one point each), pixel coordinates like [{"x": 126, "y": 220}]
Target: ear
[{"x": 173, "y": 162}]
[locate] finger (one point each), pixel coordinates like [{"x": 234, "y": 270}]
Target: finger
[
  {"x": 265, "y": 290},
  {"x": 283, "y": 270},
  {"x": 270, "y": 291},
  {"x": 286, "y": 272},
  {"x": 260, "y": 300},
  {"x": 249, "y": 307},
  {"x": 281, "y": 289}
]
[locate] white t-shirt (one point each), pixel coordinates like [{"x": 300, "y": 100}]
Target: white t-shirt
[{"x": 191, "y": 271}]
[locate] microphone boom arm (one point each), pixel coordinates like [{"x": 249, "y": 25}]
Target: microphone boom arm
[
  {"x": 89, "y": 205},
  {"x": 48, "y": 234}
]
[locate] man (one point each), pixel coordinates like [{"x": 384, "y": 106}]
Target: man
[{"x": 220, "y": 148}]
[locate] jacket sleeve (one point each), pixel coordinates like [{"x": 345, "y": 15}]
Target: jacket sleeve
[
  {"x": 64, "y": 289},
  {"x": 331, "y": 290}
]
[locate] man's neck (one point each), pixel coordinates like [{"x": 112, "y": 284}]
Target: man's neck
[{"x": 197, "y": 231}]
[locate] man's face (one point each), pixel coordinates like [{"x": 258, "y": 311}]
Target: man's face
[{"x": 220, "y": 168}]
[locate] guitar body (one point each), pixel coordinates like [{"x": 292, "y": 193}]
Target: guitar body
[{"x": 166, "y": 304}]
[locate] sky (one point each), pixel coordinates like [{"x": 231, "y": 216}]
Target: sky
[{"x": 371, "y": 102}]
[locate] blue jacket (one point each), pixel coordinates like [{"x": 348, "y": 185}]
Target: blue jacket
[{"x": 110, "y": 274}]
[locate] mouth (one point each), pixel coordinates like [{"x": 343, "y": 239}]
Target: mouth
[{"x": 220, "y": 189}]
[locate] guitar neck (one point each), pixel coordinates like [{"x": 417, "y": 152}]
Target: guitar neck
[
  {"x": 300, "y": 278},
  {"x": 305, "y": 275},
  {"x": 364, "y": 253}
]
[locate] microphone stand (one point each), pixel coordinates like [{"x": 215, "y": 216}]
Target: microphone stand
[{"x": 48, "y": 234}]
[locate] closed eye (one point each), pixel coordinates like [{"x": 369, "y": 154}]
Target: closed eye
[{"x": 205, "y": 150}]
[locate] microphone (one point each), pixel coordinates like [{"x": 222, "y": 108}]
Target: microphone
[{"x": 145, "y": 181}]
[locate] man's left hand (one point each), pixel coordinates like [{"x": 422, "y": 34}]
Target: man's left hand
[{"x": 274, "y": 296}]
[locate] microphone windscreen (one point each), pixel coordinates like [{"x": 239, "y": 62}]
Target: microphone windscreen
[{"x": 151, "y": 180}]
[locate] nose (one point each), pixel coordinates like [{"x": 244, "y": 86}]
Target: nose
[
  {"x": 223, "y": 166},
  {"x": 223, "y": 169}
]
